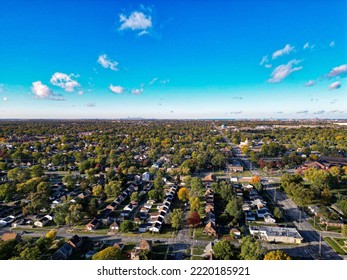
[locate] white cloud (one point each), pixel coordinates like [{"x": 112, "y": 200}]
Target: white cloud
[
  {"x": 268, "y": 65},
  {"x": 80, "y": 92},
  {"x": 153, "y": 81},
  {"x": 308, "y": 46},
  {"x": 332, "y": 44},
  {"x": 105, "y": 62},
  {"x": 5, "y": 99},
  {"x": 286, "y": 50},
  {"x": 310, "y": 83},
  {"x": 164, "y": 82},
  {"x": 264, "y": 60},
  {"x": 137, "y": 91},
  {"x": 2, "y": 88},
  {"x": 302, "y": 112},
  {"x": 40, "y": 90},
  {"x": 339, "y": 70},
  {"x": 64, "y": 81},
  {"x": 136, "y": 21},
  {"x": 284, "y": 70},
  {"x": 116, "y": 89},
  {"x": 334, "y": 85}
]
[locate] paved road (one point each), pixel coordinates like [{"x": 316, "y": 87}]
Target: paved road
[{"x": 316, "y": 247}]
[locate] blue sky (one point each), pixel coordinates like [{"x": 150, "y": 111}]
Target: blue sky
[{"x": 173, "y": 59}]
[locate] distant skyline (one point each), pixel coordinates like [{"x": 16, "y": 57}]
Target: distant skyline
[{"x": 173, "y": 59}]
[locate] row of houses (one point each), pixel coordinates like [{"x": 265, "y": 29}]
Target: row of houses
[
  {"x": 254, "y": 207},
  {"x": 157, "y": 219},
  {"x": 104, "y": 216},
  {"x": 210, "y": 219}
]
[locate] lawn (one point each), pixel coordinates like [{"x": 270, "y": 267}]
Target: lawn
[
  {"x": 333, "y": 244},
  {"x": 197, "y": 258},
  {"x": 199, "y": 234},
  {"x": 198, "y": 250}
]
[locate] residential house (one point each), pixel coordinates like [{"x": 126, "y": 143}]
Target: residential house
[
  {"x": 75, "y": 242},
  {"x": 63, "y": 253},
  {"x": 210, "y": 230},
  {"x": 10, "y": 236},
  {"x": 143, "y": 245},
  {"x": 269, "y": 219},
  {"x": 93, "y": 224}
]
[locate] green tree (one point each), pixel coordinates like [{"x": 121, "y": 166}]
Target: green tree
[
  {"x": 75, "y": 214},
  {"x": 18, "y": 174},
  {"x": 176, "y": 218},
  {"x": 109, "y": 253},
  {"x": 234, "y": 207},
  {"x": 278, "y": 213},
  {"x": 225, "y": 250},
  {"x": 251, "y": 249},
  {"x": 145, "y": 255},
  {"x": 277, "y": 255},
  {"x": 127, "y": 226},
  {"x": 37, "y": 171}
]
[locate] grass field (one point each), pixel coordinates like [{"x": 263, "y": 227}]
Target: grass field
[{"x": 335, "y": 245}]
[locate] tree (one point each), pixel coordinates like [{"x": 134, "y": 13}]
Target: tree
[
  {"x": 176, "y": 218},
  {"x": 109, "y": 253},
  {"x": 195, "y": 187},
  {"x": 225, "y": 190},
  {"x": 134, "y": 196},
  {"x": 342, "y": 205},
  {"x": 145, "y": 255},
  {"x": 278, "y": 213},
  {"x": 225, "y": 250},
  {"x": 194, "y": 204},
  {"x": 256, "y": 182},
  {"x": 336, "y": 172},
  {"x": 251, "y": 249},
  {"x": 70, "y": 181},
  {"x": 193, "y": 219},
  {"x": 234, "y": 207},
  {"x": 74, "y": 214},
  {"x": 183, "y": 194},
  {"x": 29, "y": 253},
  {"x": 52, "y": 234},
  {"x": 18, "y": 174},
  {"x": 98, "y": 190},
  {"x": 277, "y": 255},
  {"x": 127, "y": 226},
  {"x": 37, "y": 171},
  {"x": 113, "y": 188}
]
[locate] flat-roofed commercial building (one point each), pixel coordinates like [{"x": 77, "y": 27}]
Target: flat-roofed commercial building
[{"x": 277, "y": 234}]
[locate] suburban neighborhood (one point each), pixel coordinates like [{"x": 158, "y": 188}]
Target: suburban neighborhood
[{"x": 172, "y": 190}]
